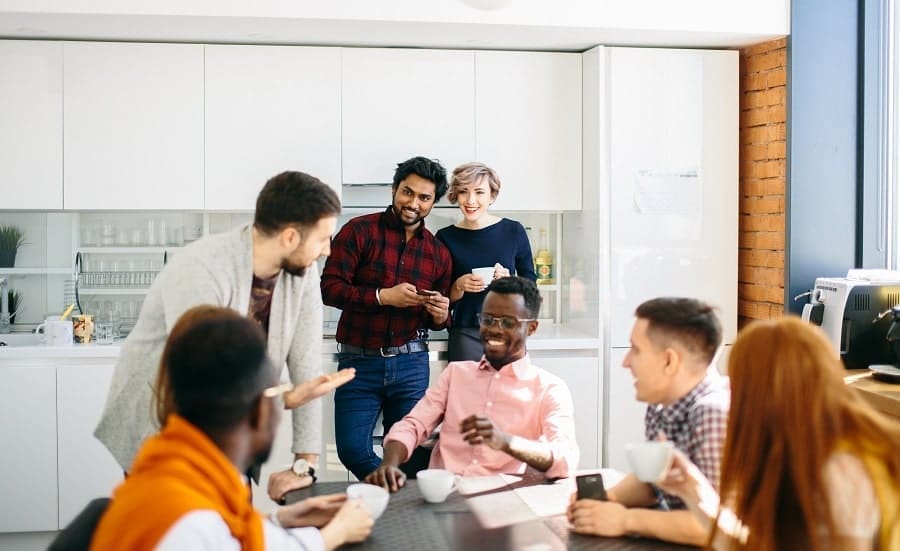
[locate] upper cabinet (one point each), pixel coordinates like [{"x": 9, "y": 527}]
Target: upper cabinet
[
  {"x": 401, "y": 103},
  {"x": 31, "y": 117},
  {"x": 269, "y": 109},
  {"x": 528, "y": 127},
  {"x": 133, "y": 129}
]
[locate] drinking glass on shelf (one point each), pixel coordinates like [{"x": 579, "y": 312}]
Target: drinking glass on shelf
[
  {"x": 103, "y": 332},
  {"x": 89, "y": 236}
]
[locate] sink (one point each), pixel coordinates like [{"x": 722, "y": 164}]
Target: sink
[{"x": 20, "y": 339}]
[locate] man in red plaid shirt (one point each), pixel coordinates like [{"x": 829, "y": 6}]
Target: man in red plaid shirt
[
  {"x": 391, "y": 279},
  {"x": 673, "y": 343}
]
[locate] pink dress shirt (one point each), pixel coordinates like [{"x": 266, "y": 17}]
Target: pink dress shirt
[{"x": 521, "y": 399}]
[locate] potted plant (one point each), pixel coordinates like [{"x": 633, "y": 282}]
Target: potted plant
[
  {"x": 11, "y": 238},
  {"x": 15, "y": 300}
]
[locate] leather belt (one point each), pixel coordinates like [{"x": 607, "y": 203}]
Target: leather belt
[{"x": 385, "y": 351}]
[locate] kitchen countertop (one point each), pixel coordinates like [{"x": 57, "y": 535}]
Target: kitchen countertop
[
  {"x": 552, "y": 337},
  {"x": 885, "y": 397}
]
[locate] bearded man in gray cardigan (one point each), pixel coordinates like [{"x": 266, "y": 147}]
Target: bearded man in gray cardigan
[{"x": 259, "y": 270}]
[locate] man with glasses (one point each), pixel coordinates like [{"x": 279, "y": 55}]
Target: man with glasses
[
  {"x": 500, "y": 415},
  {"x": 265, "y": 271},
  {"x": 185, "y": 489},
  {"x": 391, "y": 279}
]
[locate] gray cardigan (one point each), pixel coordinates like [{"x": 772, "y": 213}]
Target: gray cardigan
[{"x": 217, "y": 269}]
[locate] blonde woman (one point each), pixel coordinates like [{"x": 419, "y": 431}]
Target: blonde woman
[{"x": 479, "y": 240}]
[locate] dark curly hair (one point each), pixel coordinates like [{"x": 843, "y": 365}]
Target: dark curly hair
[
  {"x": 515, "y": 285},
  {"x": 423, "y": 167}
]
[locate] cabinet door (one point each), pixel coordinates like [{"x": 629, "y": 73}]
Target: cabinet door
[
  {"x": 269, "y": 109},
  {"x": 528, "y": 127},
  {"x": 86, "y": 468},
  {"x": 625, "y": 414},
  {"x": 582, "y": 375},
  {"x": 403, "y": 103},
  {"x": 133, "y": 128},
  {"x": 31, "y": 124},
  {"x": 28, "y": 433}
]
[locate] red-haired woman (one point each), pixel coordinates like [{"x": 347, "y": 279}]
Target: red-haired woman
[{"x": 807, "y": 464}]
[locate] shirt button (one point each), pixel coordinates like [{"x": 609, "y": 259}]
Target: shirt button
[
  {"x": 497, "y": 376},
  {"x": 489, "y": 404},
  {"x": 474, "y": 461}
]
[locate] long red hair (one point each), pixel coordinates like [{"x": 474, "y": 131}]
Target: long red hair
[{"x": 790, "y": 410}]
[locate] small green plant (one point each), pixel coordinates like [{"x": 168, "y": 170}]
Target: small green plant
[
  {"x": 11, "y": 238},
  {"x": 15, "y": 300}
]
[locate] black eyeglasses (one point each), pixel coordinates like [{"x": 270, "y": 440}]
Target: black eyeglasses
[{"x": 505, "y": 322}]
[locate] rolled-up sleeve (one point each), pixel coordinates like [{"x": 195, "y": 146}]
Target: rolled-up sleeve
[
  {"x": 419, "y": 423},
  {"x": 559, "y": 430}
]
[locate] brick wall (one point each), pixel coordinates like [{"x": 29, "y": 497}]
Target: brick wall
[{"x": 761, "y": 230}]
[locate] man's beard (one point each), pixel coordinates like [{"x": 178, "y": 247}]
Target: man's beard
[{"x": 293, "y": 269}]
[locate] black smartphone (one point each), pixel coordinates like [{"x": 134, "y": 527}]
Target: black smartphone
[
  {"x": 590, "y": 486},
  {"x": 425, "y": 293}
]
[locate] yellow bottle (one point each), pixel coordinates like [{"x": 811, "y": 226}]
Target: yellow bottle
[{"x": 543, "y": 261}]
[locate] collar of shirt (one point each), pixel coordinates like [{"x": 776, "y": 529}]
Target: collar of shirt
[
  {"x": 390, "y": 220},
  {"x": 677, "y": 413},
  {"x": 521, "y": 369}
]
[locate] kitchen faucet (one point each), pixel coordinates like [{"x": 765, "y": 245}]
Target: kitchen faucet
[{"x": 4, "y": 305}]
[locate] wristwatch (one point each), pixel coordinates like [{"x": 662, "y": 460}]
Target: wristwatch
[{"x": 302, "y": 467}]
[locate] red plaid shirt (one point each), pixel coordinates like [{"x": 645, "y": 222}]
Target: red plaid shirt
[{"x": 371, "y": 252}]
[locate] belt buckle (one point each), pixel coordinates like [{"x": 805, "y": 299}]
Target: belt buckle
[{"x": 383, "y": 355}]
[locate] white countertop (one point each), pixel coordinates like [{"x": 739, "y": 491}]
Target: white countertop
[{"x": 547, "y": 337}]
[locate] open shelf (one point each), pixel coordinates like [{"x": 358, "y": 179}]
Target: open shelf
[{"x": 35, "y": 271}]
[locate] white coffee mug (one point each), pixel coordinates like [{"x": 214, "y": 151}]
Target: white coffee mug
[
  {"x": 486, "y": 274},
  {"x": 436, "y": 484},
  {"x": 650, "y": 460},
  {"x": 375, "y": 498},
  {"x": 57, "y": 332}
]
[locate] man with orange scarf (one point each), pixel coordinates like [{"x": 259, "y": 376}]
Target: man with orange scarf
[{"x": 185, "y": 489}]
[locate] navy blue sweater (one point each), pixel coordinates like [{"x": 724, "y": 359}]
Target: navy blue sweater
[{"x": 505, "y": 242}]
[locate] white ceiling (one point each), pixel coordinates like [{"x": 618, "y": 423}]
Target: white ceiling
[{"x": 573, "y": 25}]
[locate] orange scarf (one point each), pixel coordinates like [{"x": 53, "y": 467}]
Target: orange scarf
[{"x": 177, "y": 471}]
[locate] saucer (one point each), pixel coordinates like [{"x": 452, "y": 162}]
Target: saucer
[{"x": 885, "y": 373}]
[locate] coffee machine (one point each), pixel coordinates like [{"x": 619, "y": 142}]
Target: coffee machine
[{"x": 855, "y": 313}]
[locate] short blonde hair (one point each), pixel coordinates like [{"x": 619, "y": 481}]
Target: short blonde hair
[{"x": 470, "y": 173}]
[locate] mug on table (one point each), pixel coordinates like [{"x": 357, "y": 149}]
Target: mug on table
[{"x": 56, "y": 332}]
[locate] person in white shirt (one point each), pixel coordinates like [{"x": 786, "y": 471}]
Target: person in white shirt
[{"x": 186, "y": 489}]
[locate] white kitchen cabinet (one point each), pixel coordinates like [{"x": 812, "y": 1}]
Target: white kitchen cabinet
[
  {"x": 269, "y": 109},
  {"x": 401, "y": 103},
  {"x": 28, "y": 431},
  {"x": 624, "y": 413},
  {"x": 31, "y": 149},
  {"x": 86, "y": 468},
  {"x": 580, "y": 369},
  {"x": 528, "y": 127},
  {"x": 133, "y": 126}
]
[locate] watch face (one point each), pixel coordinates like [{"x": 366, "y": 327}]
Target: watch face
[{"x": 301, "y": 467}]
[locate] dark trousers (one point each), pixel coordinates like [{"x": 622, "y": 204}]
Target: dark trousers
[
  {"x": 465, "y": 344},
  {"x": 391, "y": 386}
]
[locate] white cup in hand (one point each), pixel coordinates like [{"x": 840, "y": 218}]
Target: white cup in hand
[
  {"x": 486, "y": 274},
  {"x": 650, "y": 460},
  {"x": 436, "y": 484},
  {"x": 375, "y": 498}
]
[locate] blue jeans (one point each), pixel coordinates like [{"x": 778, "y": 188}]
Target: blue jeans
[{"x": 389, "y": 385}]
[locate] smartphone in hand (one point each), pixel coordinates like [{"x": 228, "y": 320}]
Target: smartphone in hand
[
  {"x": 425, "y": 293},
  {"x": 590, "y": 486}
]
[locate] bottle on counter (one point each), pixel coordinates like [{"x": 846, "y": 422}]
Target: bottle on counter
[{"x": 543, "y": 260}]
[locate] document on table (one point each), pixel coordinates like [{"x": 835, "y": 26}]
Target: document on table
[
  {"x": 547, "y": 500},
  {"x": 500, "y": 509},
  {"x": 469, "y": 485}
]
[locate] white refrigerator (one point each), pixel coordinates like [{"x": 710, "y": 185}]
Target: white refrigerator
[{"x": 666, "y": 150}]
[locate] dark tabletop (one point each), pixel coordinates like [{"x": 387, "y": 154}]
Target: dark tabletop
[{"x": 410, "y": 523}]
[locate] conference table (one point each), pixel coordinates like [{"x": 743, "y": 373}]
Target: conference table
[{"x": 411, "y": 523}]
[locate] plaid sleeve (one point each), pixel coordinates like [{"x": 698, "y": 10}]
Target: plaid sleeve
[{"x": 708, "y": 421}]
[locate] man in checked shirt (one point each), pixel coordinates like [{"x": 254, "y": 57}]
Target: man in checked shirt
[
  {"x": 673, "y": 343},
  {"x": 391, "y": 279}
]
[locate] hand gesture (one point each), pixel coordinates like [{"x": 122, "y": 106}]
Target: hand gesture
[
  {"x": 500, "y": 271},
  {"x": 481, "y": 430},
  {"x": 388, "y": 477},
  {"x": 685, "y": 480},
  {"x": 470, "y": 283},
  {"x": 402, "y": 295},
  {"x": 314, "y": 511},
  {"x": 317, "y": 387},
  {"x": 438, "y": 307},
  {"x": 598, "y": 518},
  {"x": 351, "y": 524},
  {"x": 282, "y": 482}
]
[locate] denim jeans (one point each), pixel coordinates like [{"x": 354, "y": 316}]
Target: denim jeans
[{"x": 391, "y": 386}]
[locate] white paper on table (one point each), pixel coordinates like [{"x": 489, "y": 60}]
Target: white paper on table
[
  {"x": 668, "y": 192},
  {"x": 547, "y": 500},
  {"x": 469, "y": 485},
  {"x": 500, "y": 509}
]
